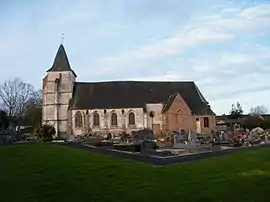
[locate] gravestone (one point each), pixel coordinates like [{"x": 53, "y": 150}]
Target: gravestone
[
  {"x": 192, "y": 138},
  {"x": 148, "y": 146},
  {"x": 179, "y": 138},
  {"x": 220, "y": 137},
  {"x": 142, "y": 135},
  {"x": 267, "y": 139},
  {"x": 192, "y": 144},
  {"x": 176, "y": 137},
  {"x": 223, "y": 137}
]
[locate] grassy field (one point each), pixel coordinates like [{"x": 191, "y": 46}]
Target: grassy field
[{"x": 57, "y": 173}]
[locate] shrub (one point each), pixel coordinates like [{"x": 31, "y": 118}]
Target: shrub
[
  {"x": 4, "y": 120},
  {"x": 254, "y": 121},
  {"x": 44, "y": 132}
]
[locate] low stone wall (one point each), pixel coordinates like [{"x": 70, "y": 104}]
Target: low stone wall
[
  {"x": 5, "y": 140},
  {"x": 192, "y": 147}
]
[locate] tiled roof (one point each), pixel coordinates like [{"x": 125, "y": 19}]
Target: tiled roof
[{"x": 135, "y": 94}]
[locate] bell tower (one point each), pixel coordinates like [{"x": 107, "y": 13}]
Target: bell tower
[{"x": 57, "y": 91}]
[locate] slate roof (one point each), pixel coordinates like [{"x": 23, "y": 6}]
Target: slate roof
[
  {"x": 61, "y": 62},
  {"x": 169, "y": 102},
  {"x": 135, "y": 94}
]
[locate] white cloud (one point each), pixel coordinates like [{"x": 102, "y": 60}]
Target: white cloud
[
  {"x": 251, "y": 18},
  {"x": 215, "y": 30},
  {"x": 239, "y": 60},
  {"x": 166, "y": 47},
  {"x": 255, "y": 12},
  {"x": 176, "y": 44},
  {"x": 231, "y": 10}
]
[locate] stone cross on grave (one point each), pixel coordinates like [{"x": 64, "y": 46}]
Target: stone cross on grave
[
  {"x": 175, "y": 138},
  {"x": 192, "y": 138}
]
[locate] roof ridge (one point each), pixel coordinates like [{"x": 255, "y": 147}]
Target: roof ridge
[{"x": 125, "y": 81}]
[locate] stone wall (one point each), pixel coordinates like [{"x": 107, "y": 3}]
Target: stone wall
[
  {"x": 57, "y": 91},
  {"x": 105, "y": 121},
  {"x": 155, "y": 122},
  {"x": 156, "y": 108}
]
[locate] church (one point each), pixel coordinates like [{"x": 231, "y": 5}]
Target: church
[{"x": 79, "y": 108}]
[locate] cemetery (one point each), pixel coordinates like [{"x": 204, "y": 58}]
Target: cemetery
[
  {"x": 145, "y": 145},
  {"x": 176, "y": 145}
]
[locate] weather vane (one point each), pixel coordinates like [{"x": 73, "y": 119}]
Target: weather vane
[{"x": 63, "y": 35}]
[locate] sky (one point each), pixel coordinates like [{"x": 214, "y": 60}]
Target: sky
[{"x": 222, "y": 45}]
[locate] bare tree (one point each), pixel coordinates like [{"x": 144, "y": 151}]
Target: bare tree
[
  {"x": 258, "y": 110},
  {"x": 36, "y": 98},
  {"x": 33, "y": 110},
  {"x": 14, "y": 95}
]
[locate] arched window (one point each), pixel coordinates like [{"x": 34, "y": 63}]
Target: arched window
[
  {"x": 96, "y": 121},
  {"x": 87, "y": 117},
  {"x": 114, "y": 119},
  {"x": 152, "y": 114},
  {"x": 78, "y": 119},
  {"x": 131, "y": 118},
  {"x": 178, "y": 116}
]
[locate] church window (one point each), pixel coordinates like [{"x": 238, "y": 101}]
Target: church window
[
  {"x": 206, "y": 122},
  {"x": 131, "y": 118},
  {"x": 178, "y": 116},
  {"x": 78, "y": 119},
  {"x": 96, "y": 121},
  {"x": 114, "y": 119}
]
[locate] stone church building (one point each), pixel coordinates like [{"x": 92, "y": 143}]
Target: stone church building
[{"x": 79, "y": 108}]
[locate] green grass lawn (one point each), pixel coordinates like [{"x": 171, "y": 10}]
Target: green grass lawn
[{"x": 57, "y": 173}]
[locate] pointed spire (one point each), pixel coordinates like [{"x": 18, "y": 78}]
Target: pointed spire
[{"x": 61, "y": 62}]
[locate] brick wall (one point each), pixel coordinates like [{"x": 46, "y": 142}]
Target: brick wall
[
  {"x": 179, "y": 116},
  {"x": 207, "y": 128}
]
